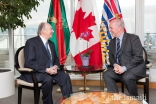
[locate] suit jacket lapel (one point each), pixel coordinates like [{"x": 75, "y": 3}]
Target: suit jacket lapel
[
  {"x": 122, "y": 45},
  {"x": 51, "y": 48},
  {"x": 40, "y": 43},
  {"x": 123, "y": 42}
]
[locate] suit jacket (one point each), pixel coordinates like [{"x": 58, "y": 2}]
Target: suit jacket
[
  {"x": 36, "y": 57},
  {"x": 131, "y": 54}
]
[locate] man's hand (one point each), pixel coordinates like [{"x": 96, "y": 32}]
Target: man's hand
[
  {"x": 55, "y": 67},
  {"x": 118, "y": 69},
  {"x": 52, "y": 70},
  {"x": 48, "y": 70},
  {"x": 65, "y": 68}
]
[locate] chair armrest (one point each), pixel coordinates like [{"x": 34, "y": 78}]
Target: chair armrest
[
  {"x": 147, "y": 72},
  {"x": 32, "y": 72},
  {"x": 35, "y": 81},
  {"x": 25, "y": 70},
  {"x": 148, "y": 65}
]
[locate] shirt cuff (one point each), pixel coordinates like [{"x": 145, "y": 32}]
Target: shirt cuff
[{"x": 124, "y": 68}]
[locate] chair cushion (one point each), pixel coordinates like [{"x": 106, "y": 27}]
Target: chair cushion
[
  {"x": 142, "y": 80},
  {"x": 22, "y": 82}
]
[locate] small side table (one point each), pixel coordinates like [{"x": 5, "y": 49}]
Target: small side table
[{"x": 77, "y": 70}]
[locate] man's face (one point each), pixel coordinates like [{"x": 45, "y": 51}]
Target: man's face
[
  {"x": 48, "y": 30},
  {"x": 114, "y": 29}
]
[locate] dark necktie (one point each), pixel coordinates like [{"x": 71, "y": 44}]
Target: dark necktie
[
  {"x": 50, "y": 56},
  {"x": 118, "y": 51}
]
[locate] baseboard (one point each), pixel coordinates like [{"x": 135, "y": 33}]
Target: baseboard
[{"x": 152, "y": 85}]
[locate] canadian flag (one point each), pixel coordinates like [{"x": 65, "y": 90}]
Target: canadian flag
[{"x": 85, "y": 35}]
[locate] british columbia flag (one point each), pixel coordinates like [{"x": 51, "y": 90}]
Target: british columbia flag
[{"x": 111, "y": 10}]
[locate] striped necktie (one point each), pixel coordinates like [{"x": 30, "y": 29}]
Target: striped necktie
[
  {"x": 50, "y": 56},
  {"x": 118, "y": 51}
]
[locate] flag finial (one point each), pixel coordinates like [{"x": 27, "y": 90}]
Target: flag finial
[
  {"x": 117, "y": 16},
  {"x": 53, "y": 19}
]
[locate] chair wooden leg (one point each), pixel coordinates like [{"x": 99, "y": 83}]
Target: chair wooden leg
[
  {"x": 122, "y": 87},
  {"x": 19, "y": 95},
  {"x": 147, "y": 90},
  {"x": 36, "y": 95}
]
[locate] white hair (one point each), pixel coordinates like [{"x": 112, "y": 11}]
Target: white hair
[
  {"x": 40, "y": 27},
  {"x": 119, "y": 22}
]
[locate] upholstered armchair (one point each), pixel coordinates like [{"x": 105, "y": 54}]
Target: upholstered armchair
[{"x": 35, "y": 86}]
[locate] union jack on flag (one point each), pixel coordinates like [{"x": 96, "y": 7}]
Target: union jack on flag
[{"x": 111, "y": 10}]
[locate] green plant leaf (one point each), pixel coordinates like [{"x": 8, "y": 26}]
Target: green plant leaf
[
  {"x": 87, "y": 53},
  {"x": 12, "y": 12}
]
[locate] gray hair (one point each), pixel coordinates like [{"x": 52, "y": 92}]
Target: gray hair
[
  {"x": 120, "y": 22},
  {"x": 40, "y": 27}
]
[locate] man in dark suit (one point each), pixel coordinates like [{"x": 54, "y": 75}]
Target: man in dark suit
[
  {"x": 40, "y": 55},
  {"x": 126, "y": 59}
]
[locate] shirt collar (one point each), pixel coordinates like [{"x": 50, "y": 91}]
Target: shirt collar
[
  {"x": 43, "y": 39},
  {"x": 121, "y": 37}
]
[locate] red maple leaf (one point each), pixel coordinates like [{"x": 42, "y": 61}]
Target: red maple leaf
[{"x": 81, "y": 25}]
